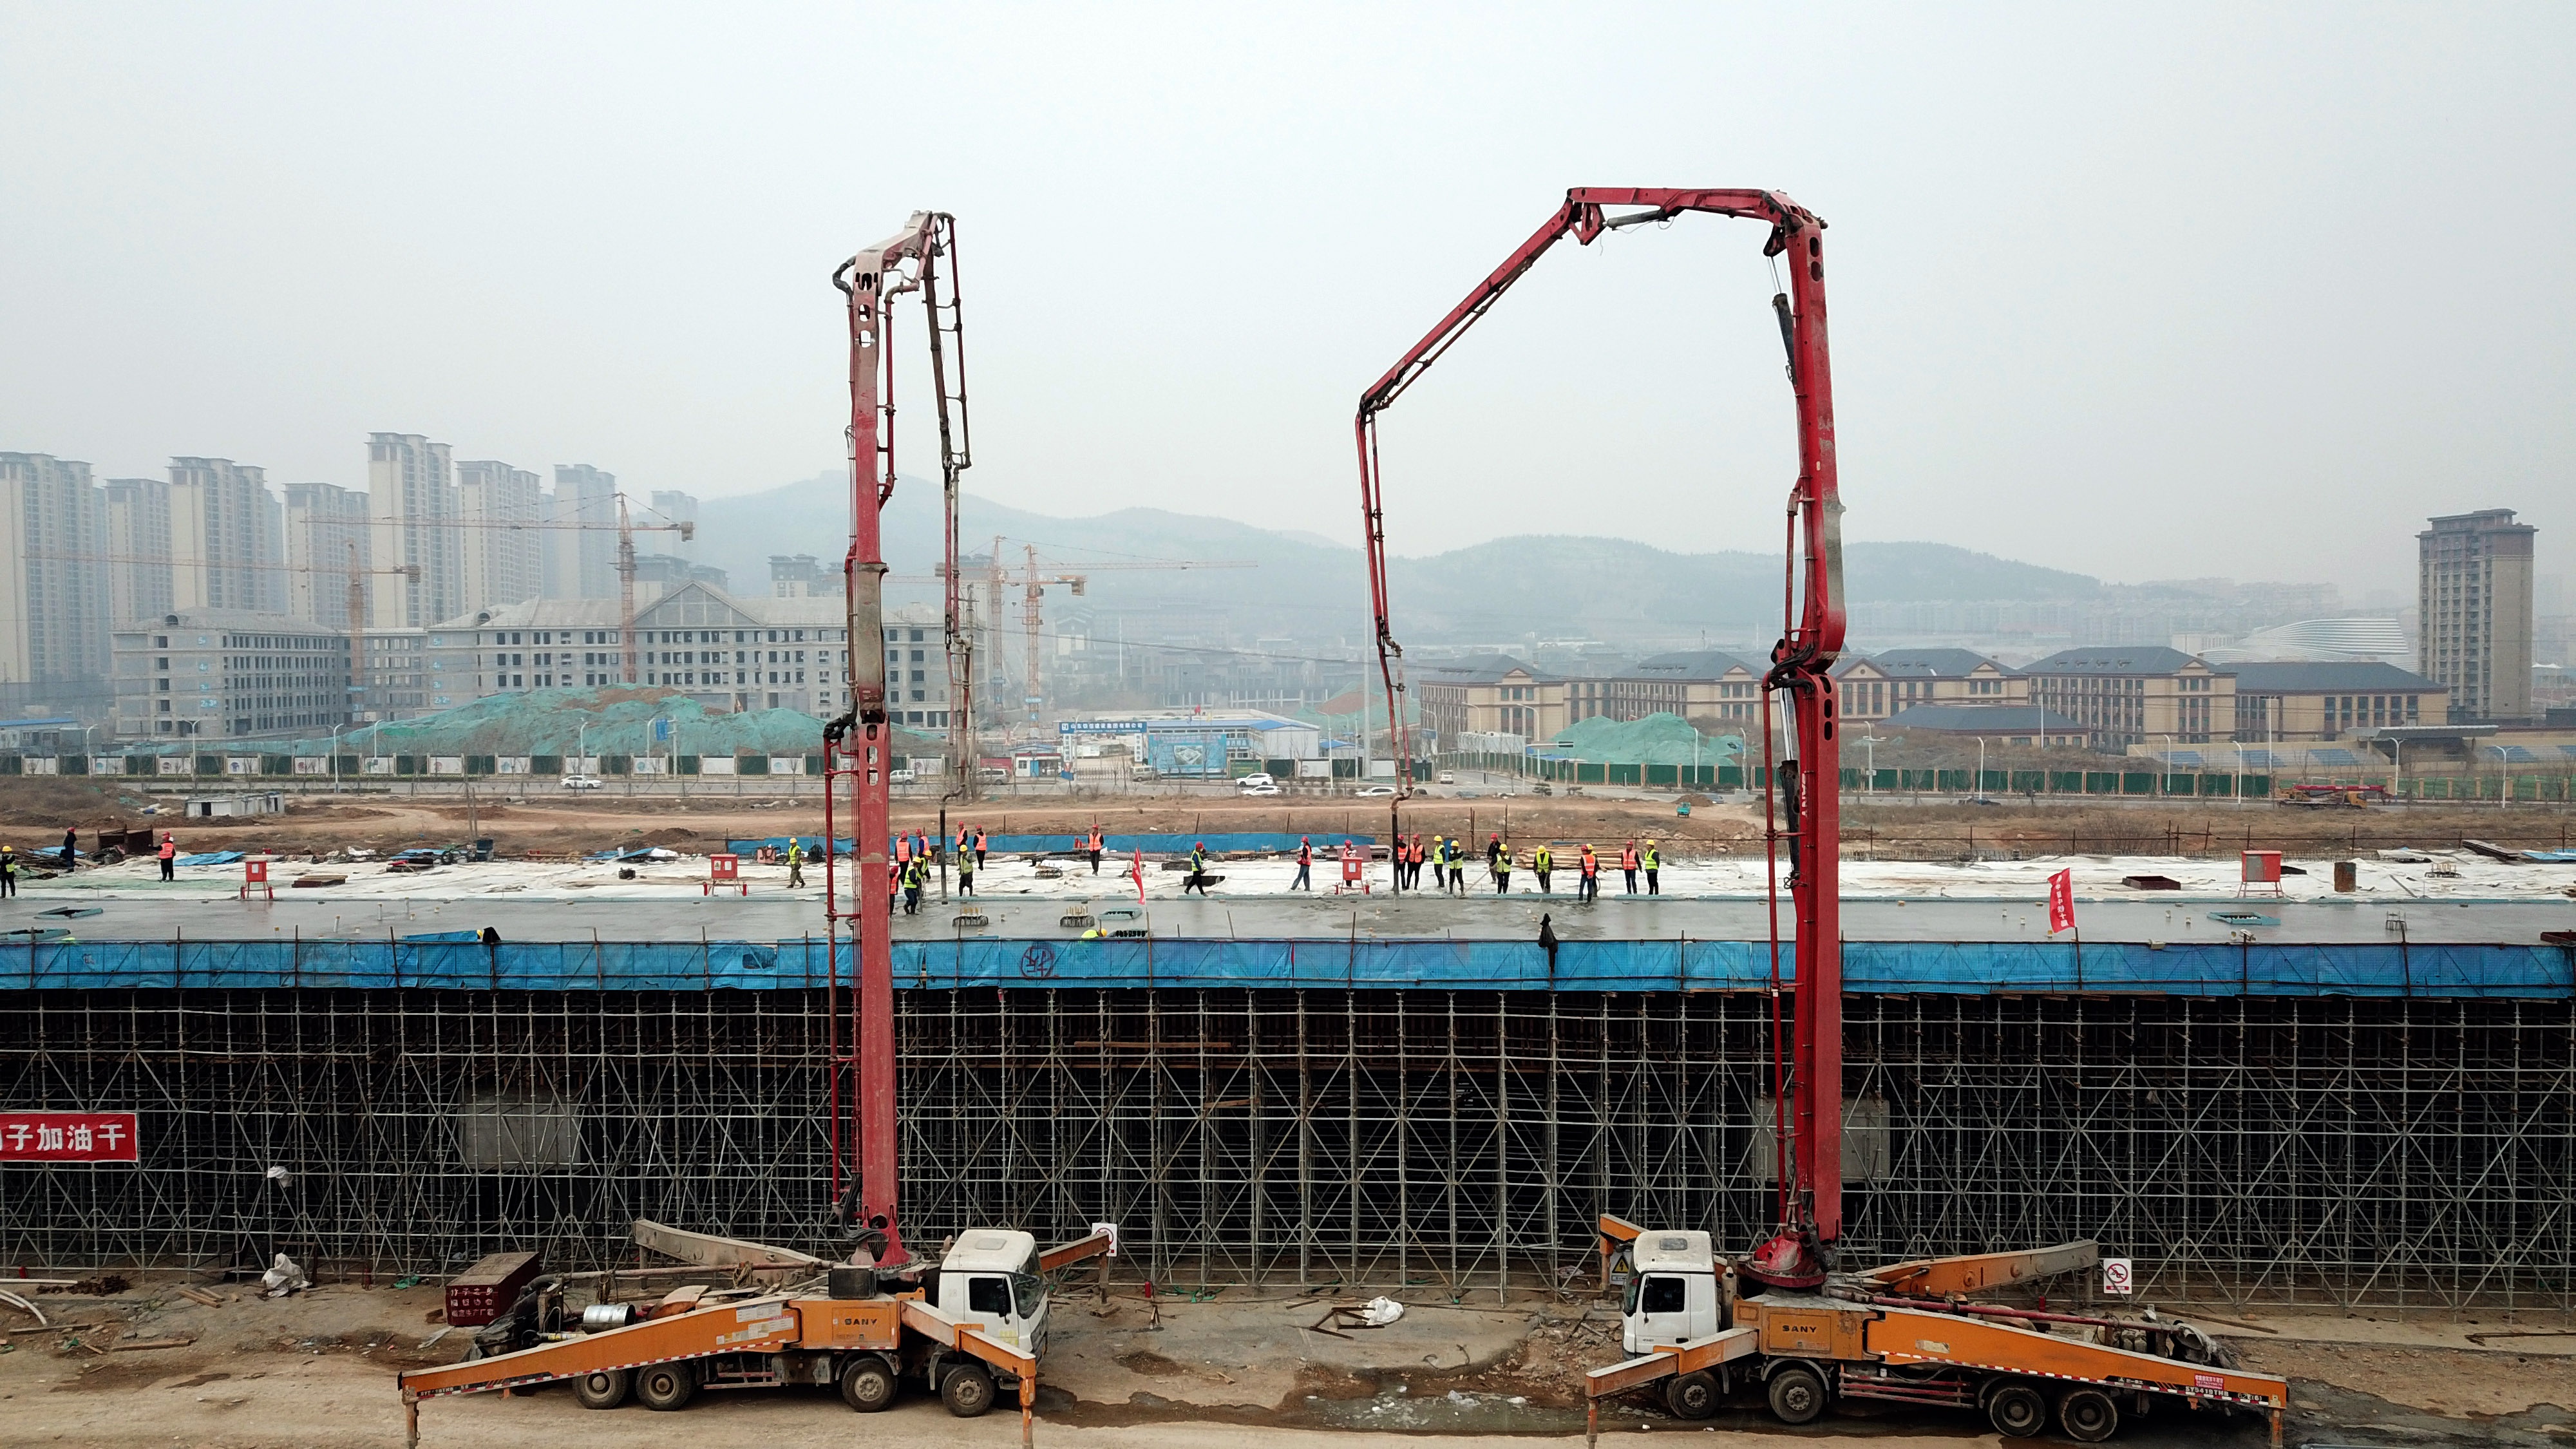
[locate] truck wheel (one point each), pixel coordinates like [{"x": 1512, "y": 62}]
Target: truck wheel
[
  {"x": 1694, "y": 1395},
  {"x": 2017, "y": 1411},
  {"x": 665, "y": 1386},
  {"x": 602, "y": 1389},
  {"x": 1797, "y": 1394},
  {"x": 2087, "y": 1415},
  {"x": 967, "y": 1390},
  {"x": 867, "y": 1385}
]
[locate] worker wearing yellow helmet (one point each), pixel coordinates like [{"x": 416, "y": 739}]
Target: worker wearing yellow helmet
[{"x": 1653, "y": 862}]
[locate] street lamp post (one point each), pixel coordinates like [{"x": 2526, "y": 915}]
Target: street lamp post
[
  {"x": 1980, "y": 792},
  {"x": 335, "y": 757}
]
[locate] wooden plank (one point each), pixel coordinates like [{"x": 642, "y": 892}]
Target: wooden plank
[
  {"x": 1618, "y": 1378},
  {"x": 133, "y": 1343},
  {"x": 710, "y": 1251}
]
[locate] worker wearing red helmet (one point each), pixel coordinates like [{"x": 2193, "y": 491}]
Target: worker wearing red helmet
[{"x": 1198, "y": 869}]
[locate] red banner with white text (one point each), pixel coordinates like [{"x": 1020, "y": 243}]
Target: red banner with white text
[{"x": 67, "y": 1137}]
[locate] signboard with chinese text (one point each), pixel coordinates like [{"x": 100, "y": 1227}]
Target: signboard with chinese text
[{"x": 67, "y": 1137}]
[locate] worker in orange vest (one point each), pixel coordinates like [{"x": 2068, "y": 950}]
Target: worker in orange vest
[
  {"x": 1628, "y": 865},
  {"x": 902, "y": 851},
  {"x": 1589, "y": 888},
  {"x": 1091, "y": 846},
  {"x": 1413, "y": 876},
  {"x": 979, "y": 847},
  {"x": 169, "y": 856}
]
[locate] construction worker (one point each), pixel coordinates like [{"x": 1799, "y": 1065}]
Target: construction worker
[
  {"x": 1439, "y": 864},
  {"x": 966, "y": 873},
  {"x": 902, "y": 850},
  {"x": 1541, "y": 861},
  {"x": 169, "y": 855},
  {"x": 1588, "y": 883},
  {"x": 1628, "y": 864},
  {"x": 795, "y": 863},
  {"x": 1503, "y": 871},
  {"x": 979, "y": 847},
  {"x": 1495, "y": 850},
  {"x": 1305, "y": 865},
  {"x": 1457, "y": 867},
  {"x": 924, "y": 849},
  {"x": 1198, "y": 869},
  {"x": 71, "y": 847},
  {"x": 1091, "y": 847},
  {"x": 8, "y": 870},
  {"x": 965, "y": 838},
  {"x": 1413, "y": 863},
  {"x": 1654, "y": 862},
  {"x": 913, "y": 877},
  {"x": 1547, "y": 942}
]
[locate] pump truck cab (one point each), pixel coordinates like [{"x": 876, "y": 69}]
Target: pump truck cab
[
  {"x": 1698, "y": 1327},
  {"x": 971, "y": 1328}
]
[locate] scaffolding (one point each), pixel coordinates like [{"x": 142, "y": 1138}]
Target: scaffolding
[{"x": 2409, "y": 1152}]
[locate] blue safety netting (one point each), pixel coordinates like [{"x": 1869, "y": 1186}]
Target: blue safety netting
[
  {"x": 458, "y": 960},
  {"x": 1166, "y": 844}
]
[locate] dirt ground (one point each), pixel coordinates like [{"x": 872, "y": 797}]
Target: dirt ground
[
  {"x": 1243, "y": 1369},
  {"x": 34, "y": 813}
]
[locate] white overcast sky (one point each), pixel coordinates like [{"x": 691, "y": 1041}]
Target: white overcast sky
[{"x": 2149, "y": 292}]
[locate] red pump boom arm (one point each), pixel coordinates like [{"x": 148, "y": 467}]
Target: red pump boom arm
[
  {"x": 1802, "y": 662},
  {"x": 858, "y": 746}
]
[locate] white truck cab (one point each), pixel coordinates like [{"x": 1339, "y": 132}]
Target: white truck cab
[
  {"x": 990, "y": 1279},
  {"x": 1676, "y": 1292}
]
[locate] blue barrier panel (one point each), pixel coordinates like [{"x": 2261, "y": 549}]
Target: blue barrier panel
[{"x": 1898, "y": 967}]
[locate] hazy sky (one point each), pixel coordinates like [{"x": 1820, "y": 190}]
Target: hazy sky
[{"x": 2172, "y": 291}]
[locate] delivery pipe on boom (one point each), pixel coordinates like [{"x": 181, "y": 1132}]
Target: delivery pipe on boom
[
  {"x": 1801, "y": 663},
  {"x": 859, "y": 744}
]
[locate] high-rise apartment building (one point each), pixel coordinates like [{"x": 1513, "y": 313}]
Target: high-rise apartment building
[
  {"x": 2474, "y": 593},
  {"x": 411, "y": 516},
  {"x": 581, "y": 563},
  {"x": 138, "y": 549},
  {"x": 325, "y": 525},
  {"x": 53, "y": 591},
  {"x": 227, "y": 538},
  {"x": 504, "y": 554}
]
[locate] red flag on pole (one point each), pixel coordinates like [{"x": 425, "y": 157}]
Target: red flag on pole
[
  {"x": 1137, "y": 873},
  {"x": 2061, "y": 902}
]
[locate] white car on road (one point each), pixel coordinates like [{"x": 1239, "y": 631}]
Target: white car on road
[{"x": 581, "y": 782}]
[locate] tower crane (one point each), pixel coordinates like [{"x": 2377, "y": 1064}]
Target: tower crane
[
  {"x": 1034, "y": 583},
  {"x": 1789, "y": 1314},
  {"x": 626, "y": 528}
]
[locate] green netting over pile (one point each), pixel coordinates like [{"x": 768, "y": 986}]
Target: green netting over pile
[
  {"x": 1658, "y": 739},
  {"x": 607, "y": 721}
]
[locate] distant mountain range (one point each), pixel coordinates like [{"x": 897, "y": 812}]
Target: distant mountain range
[{"x": 1306, "y": 586}]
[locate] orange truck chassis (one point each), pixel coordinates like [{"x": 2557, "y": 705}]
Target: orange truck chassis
[{"x": 758, "y": 1343}]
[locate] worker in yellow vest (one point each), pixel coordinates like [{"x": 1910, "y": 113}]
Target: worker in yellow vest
[
  {"x": 1541, "y": 862},
  {"x": 1654, "y": 862}
]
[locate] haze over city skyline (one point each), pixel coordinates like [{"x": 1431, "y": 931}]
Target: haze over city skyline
[{"x": 2145, "y": 297}]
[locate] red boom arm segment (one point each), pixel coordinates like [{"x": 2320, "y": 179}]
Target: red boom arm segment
[
  {"x": 1802, "y": 662},
  {"x": 857, "y": 749}
]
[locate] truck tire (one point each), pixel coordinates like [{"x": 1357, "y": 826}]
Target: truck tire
[
  {"x": 967, "y": 1389},
  {"x": 2017, "y": 1411},
  {"x": 2087, "y": 1415},
  {"x": 1695, "y": 1395},
  {"x": 666, "y": 1386},
  {"x": 867, "y": 1385},
  {"x": 1798, "y": 1394},
  {"x": 601, "y": 1388}
]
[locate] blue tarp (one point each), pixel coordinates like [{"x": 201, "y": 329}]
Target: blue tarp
[
  {"x": 214, "y": 857},
  {"x": 1114, "y": 844},
  {"x": 458, "y": 960}
]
